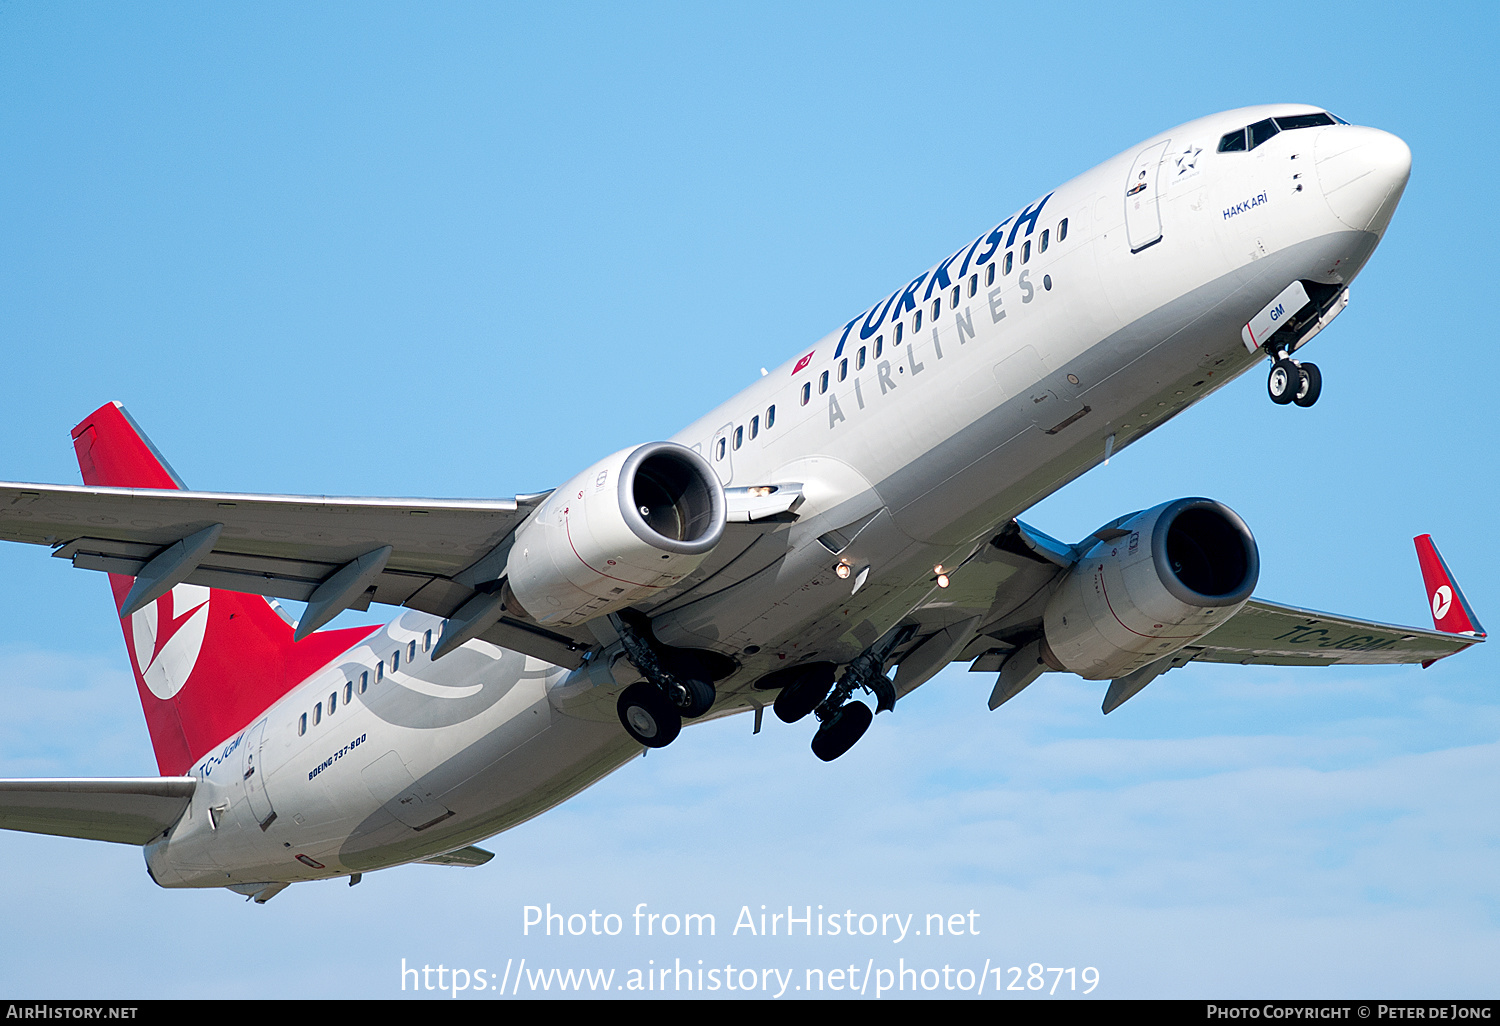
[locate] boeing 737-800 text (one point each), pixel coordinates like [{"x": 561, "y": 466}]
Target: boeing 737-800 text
[{"x": 850, "y": 512}]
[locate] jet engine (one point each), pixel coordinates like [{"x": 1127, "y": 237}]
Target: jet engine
[
  {"x": 622, "y": 530},
  {"x": 1153, "y": 583}
]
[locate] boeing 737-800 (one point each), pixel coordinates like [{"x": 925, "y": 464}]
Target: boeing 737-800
[{"x": 849, "y": 513}]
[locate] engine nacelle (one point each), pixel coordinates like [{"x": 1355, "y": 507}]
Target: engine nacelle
[
  {"x": 1163, "y": 579},
  {"x": 627, "y": 527}
]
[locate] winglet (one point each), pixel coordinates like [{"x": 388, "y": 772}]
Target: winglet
[
  {"x": 114, "y": 451},
  {"x": 1451, "y": 611}
]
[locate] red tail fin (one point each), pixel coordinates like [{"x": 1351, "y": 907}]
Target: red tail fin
[
  {"x": 206, "y": 661},
  {"x": 1450, "y": 610}
]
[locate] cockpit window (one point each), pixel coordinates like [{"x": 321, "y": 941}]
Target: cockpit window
[
  {"x": 1233, "y": 141},
  {"x": 1261, "y": 131},
  {"x": 1303, "y": 121}
]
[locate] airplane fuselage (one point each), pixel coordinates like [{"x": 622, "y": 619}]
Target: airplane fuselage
[{"x": 1074, "y": 327}]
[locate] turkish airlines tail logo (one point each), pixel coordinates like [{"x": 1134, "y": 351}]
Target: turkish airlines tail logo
[
  {"x": 1450, "y": 610},
  {"x": 167, "y": 636}
]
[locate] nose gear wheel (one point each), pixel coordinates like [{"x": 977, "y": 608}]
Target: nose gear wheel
[{"x": 1284, "y": 381}]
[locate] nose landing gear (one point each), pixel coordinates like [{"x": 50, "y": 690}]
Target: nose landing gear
[{"x": 1294, "y": 382}]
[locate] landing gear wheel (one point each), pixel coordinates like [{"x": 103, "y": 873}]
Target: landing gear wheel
[
  {"x": 647, "y": 716},
  {"x": 695, "y": 698},
  {"x": 1310, "y": 385},
  {"x": 1285, "y": 380},
  {"x": 798, "y": 699},
  {"x": 839, "y": 732}
]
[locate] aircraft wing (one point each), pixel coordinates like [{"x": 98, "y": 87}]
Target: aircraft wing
[
  {"x": 993, "y": 608},
  {"x": 440, "y": 551},
  {"x": 126, "y": 810},
  {"x": 1267, "y": 633},
  {"x": 285, "y": 546}
]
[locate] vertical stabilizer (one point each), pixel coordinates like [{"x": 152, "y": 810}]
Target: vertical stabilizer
[{"x": 206, "y": 661}]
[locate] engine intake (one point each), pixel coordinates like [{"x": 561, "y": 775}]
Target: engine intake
[
  {"x": 1153, "y": 583},
  {"x": 627, "y": 527}
]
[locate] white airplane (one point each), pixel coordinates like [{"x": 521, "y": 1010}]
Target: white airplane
[{"x": 850, "y": 512}]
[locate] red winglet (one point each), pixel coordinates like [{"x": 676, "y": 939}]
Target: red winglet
[{"x": 1451, "y": 612}]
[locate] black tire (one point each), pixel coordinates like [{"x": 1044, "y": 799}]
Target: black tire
[
  {"x": 1311, "y": 385},
  {"x": 1284, "y": 381},
  {"x": 647, "y": 716},
  {"x": 696, "y": 698},
  {"x": 837, "y": 735},
  {"x": 802, "y": 696}
]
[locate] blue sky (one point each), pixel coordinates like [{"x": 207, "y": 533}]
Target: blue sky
[{"x": 383, "y": 249}]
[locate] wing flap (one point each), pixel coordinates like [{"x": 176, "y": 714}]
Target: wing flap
[{"x": 125, "y": 810}]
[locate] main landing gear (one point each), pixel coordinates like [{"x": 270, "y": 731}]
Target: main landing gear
[
  {"x": 812, "y": 689},
  {"x": 1293, "y": 382},
  {"x": 675, "y": 688}
]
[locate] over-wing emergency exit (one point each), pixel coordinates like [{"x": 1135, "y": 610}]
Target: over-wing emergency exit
[{"x": 850, "y": 513}]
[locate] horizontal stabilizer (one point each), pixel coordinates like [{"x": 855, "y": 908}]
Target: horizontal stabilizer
[
  {"x": 470, "y": 856},
  {"x": 126, "y": 810}
]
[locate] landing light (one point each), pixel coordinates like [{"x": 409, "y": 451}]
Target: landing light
[{"x": 842, "y": 569}]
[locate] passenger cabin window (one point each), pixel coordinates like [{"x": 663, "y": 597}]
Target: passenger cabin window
[
  {"x": 317, "y": 714},
  {"x": 333, "y": 702},
  {"x": 1062, "y": 229},
  {"x": 896, "y": 340},
  {"x": 953, "y": 300},
  {"x": 843, "y": 368},
  {"x": 396, "y": 655},
  {"x": 364, "y": 681},
  {"x": 989, "y": 275},
  {"x": 916, "y": 325},
  {"x": 719, "y": 451},
  {"x": 1010, "y": 261},
  {"x": 822, "y": 382},
  {"x": 349, "y": 692},
  {"x": 973, "y": 285},
  {"x": 1026, "y": 252},
  {"x": 1042, "y": 248},
  {"x": 302, "y": 724},
  {"x": 806, "y": 392},
  {"x": 411, "y": 652},
  {"x": 859, "y": 359},
  {"x": 427, "y": 641},
  {"x": 770, "y": 416},
  {"x": 739, "y": 437},
  {"x": 937, "y": 307},
  {"x": 880, "y": 341},
  {"x": 380, "y": 671},
  {"x": 755, "y": 425}
]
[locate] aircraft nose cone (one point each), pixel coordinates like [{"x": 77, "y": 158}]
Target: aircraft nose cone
[{"x": 1362, "y": 172}]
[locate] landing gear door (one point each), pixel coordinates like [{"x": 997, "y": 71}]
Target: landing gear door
[
  {"x": 255, "y": 777},
  {"x": 1142, "y": 192}
]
